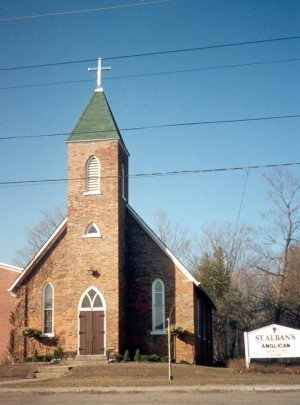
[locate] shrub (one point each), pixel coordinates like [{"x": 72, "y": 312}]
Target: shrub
[
  {"x": 137, "y": 356},
  {"x": 35, "y": 356},
  {"x": 164, "y": 359},
  {"x": 176, "y": 330},
  {"x": 154, "y": 357},
  {"x": 31, "y": 332},
  {"x": 58, "y": 353},
  {"x": 144, "y": 357},
  {"x": 46, "y": 358},
  {"x": 119, "y": 357},
  {"x": 126, "y": 356}
]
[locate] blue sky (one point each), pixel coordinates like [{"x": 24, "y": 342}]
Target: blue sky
[{"x": 206, "y": 94}]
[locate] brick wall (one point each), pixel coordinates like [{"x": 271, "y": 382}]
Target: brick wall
[
  {"x": 146, "y": 261},
  {"x": 67, "y": 262},
  {"x": 7, "y": 304}
]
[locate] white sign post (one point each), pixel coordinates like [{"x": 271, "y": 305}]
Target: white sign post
[{"x": 273, "y": 341}]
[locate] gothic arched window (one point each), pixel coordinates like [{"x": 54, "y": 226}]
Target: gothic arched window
[
  {"x": 158, "y": 306},
  {"x": 48, "y": 298},
  {"x": 93, "y": 175}
]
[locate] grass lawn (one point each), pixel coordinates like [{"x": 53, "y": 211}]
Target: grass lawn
[{"x": 148, "y": 374}]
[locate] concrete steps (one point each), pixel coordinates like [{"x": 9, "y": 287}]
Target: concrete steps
[
  {"x": 92, "y": 359},
  {"x": 52, "y": 371}
]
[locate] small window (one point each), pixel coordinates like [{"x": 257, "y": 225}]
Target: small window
[
  {"x": 93, "y": 176},
  {"x": 123, "y": 181},
  {"x": 158, "y": 307},
  {"x": 200, "y": 317},
  {"x": 47, "y": 310},
  {"x": 92, "y": 231}
]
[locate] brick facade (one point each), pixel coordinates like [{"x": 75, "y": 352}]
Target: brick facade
[
  {"x": 127, "y": 258},
  {"x": 8, "y": 274}
]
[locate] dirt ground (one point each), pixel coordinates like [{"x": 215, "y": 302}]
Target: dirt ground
[{"x": 142, "y": 374}]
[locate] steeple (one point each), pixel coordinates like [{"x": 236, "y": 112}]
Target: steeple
[{"x": 96, "y": 122}]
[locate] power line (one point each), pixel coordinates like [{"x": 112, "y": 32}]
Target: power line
[
  {"x": 90, "y": 10},
  {"x": 238, "y": 65},
  {"x": 153, "y": 174},
  {"x": 170, "y": 51},
  {"x": 178, "y": 124}
]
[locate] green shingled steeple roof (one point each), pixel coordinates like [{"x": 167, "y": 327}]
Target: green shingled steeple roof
[{"x": 96, "y": 122}]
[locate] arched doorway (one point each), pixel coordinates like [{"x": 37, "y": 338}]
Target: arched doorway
[{"x": 91, "y": 322}]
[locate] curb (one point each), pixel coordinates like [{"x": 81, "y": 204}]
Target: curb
[{"x": 178, "y": 388}]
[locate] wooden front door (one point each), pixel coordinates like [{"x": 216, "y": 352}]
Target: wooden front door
[
  {"x": 92, "y": 323},
  {"x": 91, "y": 332}
]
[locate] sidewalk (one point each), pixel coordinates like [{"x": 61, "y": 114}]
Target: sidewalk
[{"x": 133, "y": 389}]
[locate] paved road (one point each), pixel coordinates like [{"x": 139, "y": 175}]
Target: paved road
[{"x": 232, "y": 398}]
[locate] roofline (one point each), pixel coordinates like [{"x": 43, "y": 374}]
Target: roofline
[
  {"x": 165, "y": 249},
  {"x": 10, "y": 267},
  {"x": 39, "y": 255},
  {"x": 102, "y": 140}
]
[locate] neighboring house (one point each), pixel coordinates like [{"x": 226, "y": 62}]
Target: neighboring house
[
  {"x": 8, "y": 275},
  {"x": 104, "y": 281}
]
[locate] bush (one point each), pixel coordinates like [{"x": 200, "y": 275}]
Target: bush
[
  {"x": 137, "y": 356},
  {"x": 119, "y": 357},
  {"x": 58, "y": 353},
  {"x": 164, "y": 359},
  {"x": 35, "y": 356},
  {"x": 144, "y": 357},
  {"x": 126, "y": 356},
  {"x": 31, "y": 332},
  {"x": 154, "y": 358}
]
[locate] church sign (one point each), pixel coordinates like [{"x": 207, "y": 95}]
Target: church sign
[{"x": 273, "y": 341}]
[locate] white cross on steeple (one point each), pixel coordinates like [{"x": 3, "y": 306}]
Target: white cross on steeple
[{"x": 99, "y": 69}]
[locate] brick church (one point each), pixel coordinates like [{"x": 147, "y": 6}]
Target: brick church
[{"x": 104, "y": 280}]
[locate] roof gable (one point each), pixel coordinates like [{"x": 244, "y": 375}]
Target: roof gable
[
  {"x": 165, "y": 249},
  {"x": 9, "y": 267},
  {"x": 39, "y": 255}
]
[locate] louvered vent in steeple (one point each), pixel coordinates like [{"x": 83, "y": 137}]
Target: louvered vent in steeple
[{"x": 93, "y": 175}]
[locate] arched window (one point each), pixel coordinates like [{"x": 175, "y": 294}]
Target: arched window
[
  {"x": 47, "y": 309},
  {"x": 92, "y": 231},
  {"x": 93, "y": 175},
  {"x": 91, "y": 301},
  {"x": 123, "y": 182},
  {"x": 158, "y": 307}
]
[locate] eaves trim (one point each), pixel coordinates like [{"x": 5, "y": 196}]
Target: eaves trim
[
  {"x": 102, "y": 140},
  {"x": 47, "y": 245},
  {"x": 162, "y": 246},
  {"x": 9, "y": 267},
  {"x": 165, "y": 249}
]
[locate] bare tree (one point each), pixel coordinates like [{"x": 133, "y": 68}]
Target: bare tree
[
  {"x": 224, "y": 269},
  {"x": 277, "y": 254},
  {"x": 176, "y": 238},
  {"x": 38, "y": 235}
]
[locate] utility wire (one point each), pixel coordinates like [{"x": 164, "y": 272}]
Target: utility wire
[
  {"x": 242, "y": 201},
  {"x": 90, "y": 10},
  {"x": 239, "y": 65},
  {"x": 153, "y": 174},
  {"x": 178, "y": 124},
  {"x": 165, "y": 52}
]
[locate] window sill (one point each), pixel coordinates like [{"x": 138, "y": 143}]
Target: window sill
[
  {"x": 47, "y": 335},
  {"x": 92, "y": 193},
  {"x": 157, "y": 333}
]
